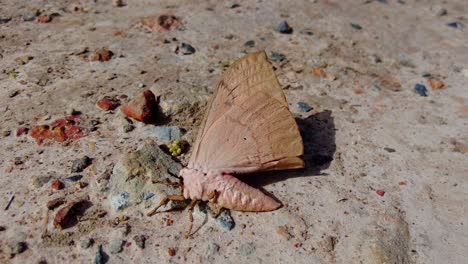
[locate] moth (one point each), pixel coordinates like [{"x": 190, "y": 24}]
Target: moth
[{"x": 247, "y": 128}]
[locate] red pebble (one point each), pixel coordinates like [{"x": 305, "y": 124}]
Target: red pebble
[
  {"x": 142, "y": 108},
  {"x": 57, "y": 185},
  {"x": 108, "y": 103},
  {"x": 380, "y": 192},
  {"x": 171, "y": 252},
  {"x": 44, "y": 19}
]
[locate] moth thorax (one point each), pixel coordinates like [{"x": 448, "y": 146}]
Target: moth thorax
[{"x": 195, "y": 183}]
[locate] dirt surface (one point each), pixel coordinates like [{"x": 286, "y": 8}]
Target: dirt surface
[{"x": 386, "y": 176}]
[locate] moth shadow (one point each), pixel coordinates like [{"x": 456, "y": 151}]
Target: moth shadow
[{"x": 318, "y": 136}]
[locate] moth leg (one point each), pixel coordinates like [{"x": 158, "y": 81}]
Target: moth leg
[
  {"x": 190, "y": 208},
  {"x": 164, "y": 201}
]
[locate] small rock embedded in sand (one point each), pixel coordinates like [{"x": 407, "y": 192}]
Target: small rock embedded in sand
[
  {"x": 108, "y": 103},
  {"x": 44, "y": 19},
  {"x": 15, "y": 248},
  {"x": 142, "y": 108},
  {"x": 29, "y": 16},
  {"x": 380, "y": 192},
  {"x": 162, "y": 23},
  {"x": 249, "y": 44},
  {"x": 140, "y": 241},
  {"x": 39, "y": 181},
  {"x": 171, "y": 252},
  {"x": 67, "y": 215},
  {"x": 420, "y": 89},
  {"x": 80, "y": 164},
  {"x": 56, "y": 185},
  {"x": 86, "y": 243},
  {"x": 117, "y": 3},
  {"x": 101, "y": 55},
  {"x": 436, "y": 84},
  {"x": 319, "y": 72},
  {"x": 4, "y": 20},
  {"x": 164, "y": 133},
  {"x": 356, "y": 26},
  {"x": 186, "y": 49},
  {"x": 304, "y": 107},
  {"x": 74, "y": 178},
  {"x": 116, "y": 246},
  {"x": 277, "y": 56},
  {"x": 225, "y": 220},
  {"x": 284, "y": 28},
  {"x": 147, "y": 170}
]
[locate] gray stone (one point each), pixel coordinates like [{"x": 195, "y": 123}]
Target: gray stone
[
  {"x": 39, "y": 181},
  {"x": 186, "y": 49},
  {"x": 29, "y": 16},
  {"x": 284, "y": 28},
  {"x": 116, "y": 246},
  {"x": 80, "y": 164},
  {"x": 225, "y": 220},
  {"x": 164, "y": 133},
  {"x": 141, "y": 172}
]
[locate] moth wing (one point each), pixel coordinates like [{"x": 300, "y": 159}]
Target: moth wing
[
  {"x": 247, "y": 76},
  {"x": 257, "y": 133}
]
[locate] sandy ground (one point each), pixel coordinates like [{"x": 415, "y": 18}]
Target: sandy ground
[{"x": 387, "y": 168}]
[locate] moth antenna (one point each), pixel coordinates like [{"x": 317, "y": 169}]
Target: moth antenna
[{"x": 164, "y": 201}]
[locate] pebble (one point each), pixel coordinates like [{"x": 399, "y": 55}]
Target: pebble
[
  {"x": 74, "y": 178},
  {"x": 454, "y": 24},
  {"x": 39, "y": 181},
  {"x": 404, "y": 60},
  {"x": 86, "y": 243},
  {"x": 116, "y": 246},
  {"x": 120, "y": 201},
  {"x": 117, "y": 3},
  {"x": 164, "y": 133},
  {"x": 436, "y": 84},
  {"x": 420, "y": 89},
  {"x": 67, "y": 215},
  {"x": 108, "y": 103},
  {"x": 187, "y": 49},
  {"x": 128, "y": 128},
  {"x": 225, "y": 220},
  {"x": 304, "y": 107},
  {"x": 80, "y": 164},
  {"x": 438, "y": 10},
  {"x": 380, "y": 192},
  {"x": 56, "y": 185},
  {"x": 284, "y": 28},
  {"x": 277, "y": 56},
  {"x": 29, "y": 16},
  {"x": 101, "y": 55},
  {"x": 4, "y": 20},
  {"x": 148, "y": 196},
  {"x": 101, "y": 257},
  {"x": 44, "y": 19},
  {"x": 356, "y": 26},
  {"x": 391, "y": 150},
  {"x": 142, "y": 108},
  {"x": 16, "y": 248},
  {"x": 140, "y": 241},
  {"x": 171, "y": 252},
  {"x": 249, "y": 44}
]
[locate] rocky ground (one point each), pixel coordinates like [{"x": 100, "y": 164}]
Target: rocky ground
[{"x": 378, "y": 89}]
